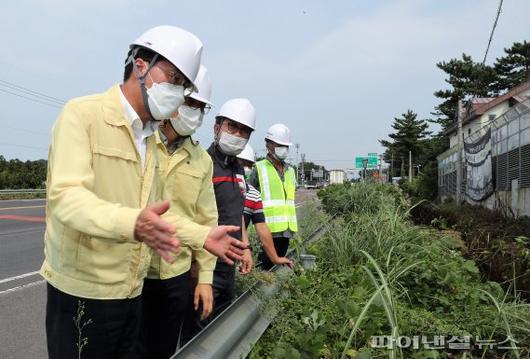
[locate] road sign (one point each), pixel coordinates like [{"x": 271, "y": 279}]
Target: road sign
[
  {"x": 372, "y": 162},
  {"x": 372, "y": 155}
]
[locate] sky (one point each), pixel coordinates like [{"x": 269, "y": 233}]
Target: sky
[{"x": 335, "y": 72}]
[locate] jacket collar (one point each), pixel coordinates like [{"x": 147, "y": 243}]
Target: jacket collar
[
  {"x": 112, "y": 108},
  {"x": 218, "y": 156}
]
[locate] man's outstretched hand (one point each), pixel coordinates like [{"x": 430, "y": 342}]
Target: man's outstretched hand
[
  {"x": 158, "y": 234},
  {"x": 224, "y": 246}
]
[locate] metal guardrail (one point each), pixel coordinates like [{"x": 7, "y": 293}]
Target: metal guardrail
[
  {"x": 236, "y": 330},
  {"x": 22, "y": 191}
]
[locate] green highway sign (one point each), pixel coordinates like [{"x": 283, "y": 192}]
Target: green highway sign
[
  {"x": 372, "y": 155},
  {"x": 372, "y": 162}
]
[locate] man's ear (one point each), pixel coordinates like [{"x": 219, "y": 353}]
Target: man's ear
[{"x": 141, "y": 68}]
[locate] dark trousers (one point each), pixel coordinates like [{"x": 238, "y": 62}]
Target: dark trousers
[
  {"x": 223, "y": 295},
  {"x": 97, "y": 328},
  {"x": 281, "y": 245},
  {"x": 164, "y": 306}
]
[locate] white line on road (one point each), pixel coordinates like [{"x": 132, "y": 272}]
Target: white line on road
[
  {"x": 23, "y": 200},
  {"x": 10, "y": 279},
  {"x": 20, "y": 287},
  {"x": 22, "y": 207}
]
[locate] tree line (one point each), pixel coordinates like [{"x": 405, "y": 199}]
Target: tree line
[{"x": 16, "y": 174}]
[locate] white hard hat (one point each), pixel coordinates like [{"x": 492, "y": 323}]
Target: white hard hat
[
  {"x": 239, "y": 110},
  {"x": 178, "y": 46},
  {"x": 204, "y": 87},
  {"x": 247, "y": 154},
  {"x": 280, "y": 134}
]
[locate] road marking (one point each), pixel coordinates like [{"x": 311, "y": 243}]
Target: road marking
[
  {"x": 15, "y": 217},
  {"x": 10, "y": 279},
  {"x": 20, "y": 287},
  {"x": 24, "y": 207}
]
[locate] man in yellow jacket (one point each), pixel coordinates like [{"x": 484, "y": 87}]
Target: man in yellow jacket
[
  {"x": 103, "y": 221},
  {"x": 186, "y": 170}
]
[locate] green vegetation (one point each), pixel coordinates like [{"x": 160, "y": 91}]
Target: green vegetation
[
  {"x": 378, "y": 274},
  {"x": 15, "y": 174}
]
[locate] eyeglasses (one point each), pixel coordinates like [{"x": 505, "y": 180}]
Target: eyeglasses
[
  {"x": 198, "y": 105},
  {"x": 177, "y": 78},
  {"x": 234, "y": 127}
]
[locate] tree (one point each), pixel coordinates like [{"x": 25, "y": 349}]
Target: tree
[
  {"x": 467, "y": 78},
  {"x": 15, "y": 174},
  {"x": 514, "y": 68},
  {"x": 408, "y": 136}
]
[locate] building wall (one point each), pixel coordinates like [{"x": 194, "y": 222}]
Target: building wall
[
  {"x": 478, "y": 123},
  {"x": 510, "y": 151},
  {"x": 336, "y": 176}
]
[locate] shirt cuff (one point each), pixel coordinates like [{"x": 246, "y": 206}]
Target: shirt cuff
[
  {"x": 125, "y": 222},
  {"x": 205, "y": 277}
]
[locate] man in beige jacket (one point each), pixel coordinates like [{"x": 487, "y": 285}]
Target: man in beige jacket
[{"x": 104, "y": 217}]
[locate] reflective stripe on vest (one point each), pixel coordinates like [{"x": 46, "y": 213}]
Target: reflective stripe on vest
[{"x": 280, "y": 212}]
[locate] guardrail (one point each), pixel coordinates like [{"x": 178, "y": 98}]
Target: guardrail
[
  {"x": 236, "y": 330},
  {"x": 22, "y": 191}
]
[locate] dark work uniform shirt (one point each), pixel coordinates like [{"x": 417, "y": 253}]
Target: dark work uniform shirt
[{"x": 230, "y": 190}]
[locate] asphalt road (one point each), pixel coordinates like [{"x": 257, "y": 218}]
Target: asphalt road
[{"x": 22, "y": 291}]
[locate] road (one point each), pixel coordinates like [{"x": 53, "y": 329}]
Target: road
[{"x": 22, "y": 291}]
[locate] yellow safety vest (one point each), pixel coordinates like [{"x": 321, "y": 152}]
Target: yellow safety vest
[{"x": 277, "y": 197}]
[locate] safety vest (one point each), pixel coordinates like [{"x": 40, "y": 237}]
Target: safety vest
[{"x": 277, "y": 197}]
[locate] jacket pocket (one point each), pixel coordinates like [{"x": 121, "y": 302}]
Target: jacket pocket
[
  {"x": 184, "y": 186},
  {"x": 104, "y": 261},
  {"x": 114, "y": 152}
]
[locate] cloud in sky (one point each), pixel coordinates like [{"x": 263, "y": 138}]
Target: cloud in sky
[{"x": 336, "y": 75}]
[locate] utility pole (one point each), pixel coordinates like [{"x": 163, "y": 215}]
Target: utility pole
[
  {"x": 459, "y": 153},
  {"x": 303, "y": 172},
  {"x": 380, "y": 168},
  {"x": 410, "y": 166},
  {"x": 391, "y": 167},
  {"x": 297, "y": 146}
]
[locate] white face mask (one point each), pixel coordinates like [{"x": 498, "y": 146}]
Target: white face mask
[
  {"x": 281, "y": 152},
  {"x": 231, "y": 145},
  {"x": 248, "y": 171},
  {"x": 164, "y": 99},
  {"x": 187, "y": 121}
]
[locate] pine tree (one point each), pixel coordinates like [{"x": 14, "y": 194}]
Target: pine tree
[
  {"x": 408, "y": 136},
  {"x": 467, "y": 78},
  {"x": 514, "y": 68}
]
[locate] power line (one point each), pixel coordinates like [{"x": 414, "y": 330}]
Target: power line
[
  {"x": 26, "y": 130},
  {"x": 24, "y": 146},
  {"x": 499, "y": 9},
  {"x": 31, "y": 99},
  {"x": 31, "y": 92}
]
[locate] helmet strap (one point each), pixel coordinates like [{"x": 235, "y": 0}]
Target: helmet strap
[{"x": 143, "y": 89}]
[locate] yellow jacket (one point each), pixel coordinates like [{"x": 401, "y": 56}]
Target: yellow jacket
[
  {"x": 187, "y": 178},
  {"x": 95, "y": 191}
]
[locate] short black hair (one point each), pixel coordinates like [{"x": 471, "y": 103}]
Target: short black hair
[
  {"x": 144, "y": 54},
  {"x": 219, "y": 119}
]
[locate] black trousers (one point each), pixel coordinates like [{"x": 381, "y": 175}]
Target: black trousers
[
  {"x": 164, "y": 306},
  {"x": 223, "y": 295},
  {"x": 97, "y": 328},
  {"x": 281, "y": 245}
]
